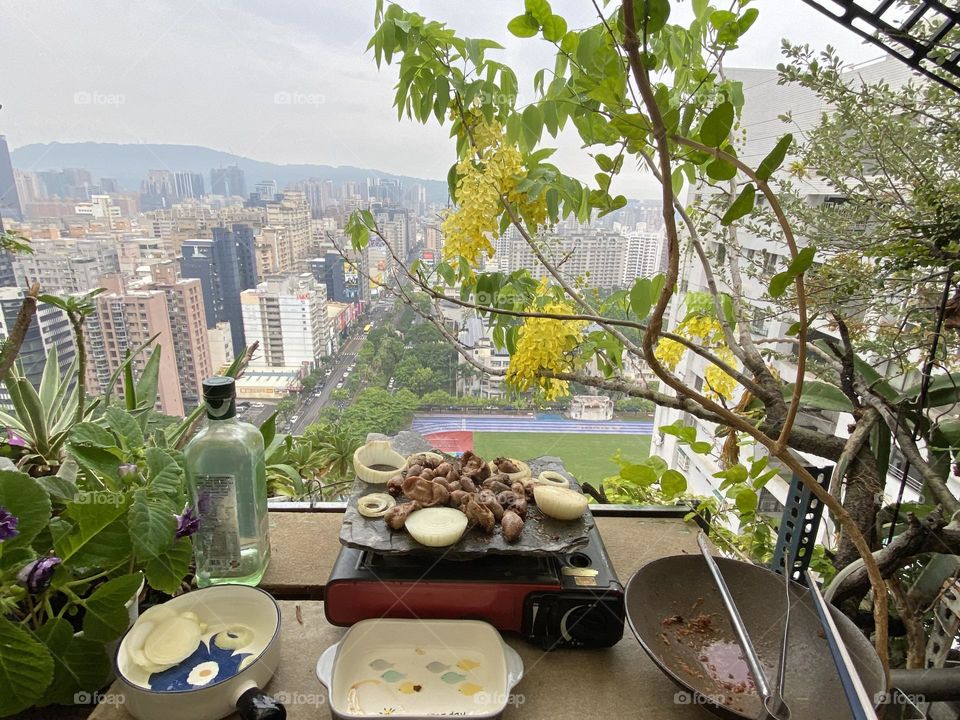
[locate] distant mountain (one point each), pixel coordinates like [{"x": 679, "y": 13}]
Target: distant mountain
[{"x": 129, "y": 165}]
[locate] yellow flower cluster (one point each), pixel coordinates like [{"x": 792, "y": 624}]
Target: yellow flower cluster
[
  {"x": 495, "y": 171},
  {"x": 545, "y": 344},
  {"x": 719, "y": 383},
  {"x": 707, "y": 331}
]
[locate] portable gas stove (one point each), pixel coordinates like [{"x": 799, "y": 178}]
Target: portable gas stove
[{"x": 553, "y": 601}]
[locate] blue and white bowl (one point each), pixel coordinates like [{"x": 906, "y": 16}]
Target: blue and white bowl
[{"x": 213, "y": 681}]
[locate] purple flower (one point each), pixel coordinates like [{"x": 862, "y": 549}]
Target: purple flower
[
  {"x": 128, "y": 471},
  {"x": 14, "y": 439},
  {"x": 8, "y": 524},
  {"x": 35, "y": 575},
  {"x": 187, "y": 524}
]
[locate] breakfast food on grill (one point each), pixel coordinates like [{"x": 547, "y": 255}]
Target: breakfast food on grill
[{"x": 472, "y": 492}]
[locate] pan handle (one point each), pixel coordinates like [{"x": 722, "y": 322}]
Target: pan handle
[{"x": 255, "y": 704}]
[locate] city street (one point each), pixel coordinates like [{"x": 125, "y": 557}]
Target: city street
[{"x": 307, "y": 413}]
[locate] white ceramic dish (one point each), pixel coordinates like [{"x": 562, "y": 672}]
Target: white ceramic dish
[
  {"x": 238, "y": 675},
  {"x": 419, "y": 669}
]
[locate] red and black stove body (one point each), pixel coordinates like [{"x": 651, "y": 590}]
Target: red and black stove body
[{"x": 553, "y": 601}]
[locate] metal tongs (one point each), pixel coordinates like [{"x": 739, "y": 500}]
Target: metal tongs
[{"x": 774, "y": 707}]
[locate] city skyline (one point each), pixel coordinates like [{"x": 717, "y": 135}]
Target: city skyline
[{"x": 302, "y": 89}]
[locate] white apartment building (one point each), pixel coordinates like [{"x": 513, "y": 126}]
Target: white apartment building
[
  {"x": 67, "y": 265},
  {"x": 287, "y": 315},
  {"x": 595, "y": 255},
  {"x": 293, "y": 214},
  {"x": 766, "y": 101},
  {"x": 645, "y": 255},
  {"x": 476, "y": 337}
]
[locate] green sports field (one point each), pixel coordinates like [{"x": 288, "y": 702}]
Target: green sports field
[{"x": 587, "y": 457}]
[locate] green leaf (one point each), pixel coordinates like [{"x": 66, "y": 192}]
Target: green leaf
[
  {"x": 269, "y": 429},
  {"x": 747, "y": 19},
  {"x": 452, "y": 182},
  {"x": 531, "y": 125},
  {"x": 58, "y": 488},
  {"x": 79, "y": 664},
  {"x": 25, "y": 498},
  {"x": 125, "y": 426},
  {"x": 26, "y": 668},
  {"x": 554, "y": 28},
  {"x": 106, "y": 616},
  {"x": 88, "y": 433},
  {"x": 146, "y": 386},
  {"x": 747, "y": 500},
  {"x": 524, "y": 26},
  {"x": 716, "y": 126},
  {"x": 651, "y": 15},
  {"x": 743, "y": 205},
  {"x": 700, "y": 8},
  {"x": 779, "y": 284},
  {"x": 167, "y": 571},
  {"x": 98, "y": 536},
  {"x": 165, "y": 475},
  {"x": 641, "y": 298},
  {"x": 570, "y": 42},
  {"x": 821, "y": 395},
  {"x": 538, "y": 9},
  {"x": 720, "y": 170},
  {"x": 49, "y": 383},
  {"x": 638, "y": 473},
  {"x": 152, "y": 525},
  {"x": 803, "y": 261},
  {"x": 673, "y": 484},
  {"x": 775, "y": 158}
]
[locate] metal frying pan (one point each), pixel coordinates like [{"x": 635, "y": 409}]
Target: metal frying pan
[{"x": 675, "y": 611}]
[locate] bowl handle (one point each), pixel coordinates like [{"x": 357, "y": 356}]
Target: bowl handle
[
  {"x": 325, "y": 666},
  {"x": 514, "y": 666},
  {"x": 255, "y": 704}
]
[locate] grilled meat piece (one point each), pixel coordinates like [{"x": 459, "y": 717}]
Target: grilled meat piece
[
  {"x": 396, "y": 516},
  {"x": 480, "y": 515},
  {"x": 511, "y": 526}
]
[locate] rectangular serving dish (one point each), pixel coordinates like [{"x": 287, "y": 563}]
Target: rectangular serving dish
[{"x": 419, "y": 669}]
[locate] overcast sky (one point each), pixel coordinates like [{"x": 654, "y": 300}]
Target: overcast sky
[{"x": 283, "y": 81}]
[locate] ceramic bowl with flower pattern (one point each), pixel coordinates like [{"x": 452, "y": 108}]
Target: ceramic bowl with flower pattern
[{"x": 203, "y": 655}]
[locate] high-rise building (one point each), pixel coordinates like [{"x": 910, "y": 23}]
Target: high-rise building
[
  {"x": 274, "y": 253},
  {"x": 188, "y": 185},
  {"x": 228, "y": 181},
  {"x": 225, "y": 266},
  {"x": 49, "y": 329},
  {"x": 645, "y": 255},
  {"x": 287, "y": 314},
  {"x": 29, "y": 187},
  {"x": 329, "y": 271},
  {"x": 221, "y": 346},
  {"x": 598, "y": 257},
  {"x": 67, "y": 265},
  {"x": 191, "y": 344},
  {"x": 266, "y": 190},
  {"x": 10, "y": 206},
  {"x": 292, "y": 213},
  {"x": 125, "y": 319}
]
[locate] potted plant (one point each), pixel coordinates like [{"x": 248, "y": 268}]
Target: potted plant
[{"x": 93, "y": 507}]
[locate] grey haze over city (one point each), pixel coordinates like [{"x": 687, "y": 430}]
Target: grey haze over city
[{"x": 284, "y": 82}]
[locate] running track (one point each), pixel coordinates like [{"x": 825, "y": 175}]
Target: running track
[{"x": 428, "y": 424}]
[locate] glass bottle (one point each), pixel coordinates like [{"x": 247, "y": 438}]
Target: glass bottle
[{"x": 227, "y": 478}]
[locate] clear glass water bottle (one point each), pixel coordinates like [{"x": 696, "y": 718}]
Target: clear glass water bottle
[{"x": 227, "y": 477}]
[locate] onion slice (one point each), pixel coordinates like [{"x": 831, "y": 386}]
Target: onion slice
[
  {"x": 172, "y": 641},
  {"x": 552, "y": 479},
  {"x": 436, "y": 526},
  {"x": 560, "y": 503},
  {"x": 375, "y": 505}
]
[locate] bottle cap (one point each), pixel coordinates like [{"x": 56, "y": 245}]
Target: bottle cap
[{"x": 219, "y": 394}]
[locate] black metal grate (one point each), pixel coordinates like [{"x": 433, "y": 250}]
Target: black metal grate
[{"x": 915, "y": 36}]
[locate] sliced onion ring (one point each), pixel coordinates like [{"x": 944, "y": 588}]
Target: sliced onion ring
[
  {"x": 375, "y": 505},
  {"x": 560, "y": 503},
  {"x": 553, "y": 479},
  {"x": 436, "y": 526}
]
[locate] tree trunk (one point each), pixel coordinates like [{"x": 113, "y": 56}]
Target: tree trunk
[{"x": 862, "y": 501}]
